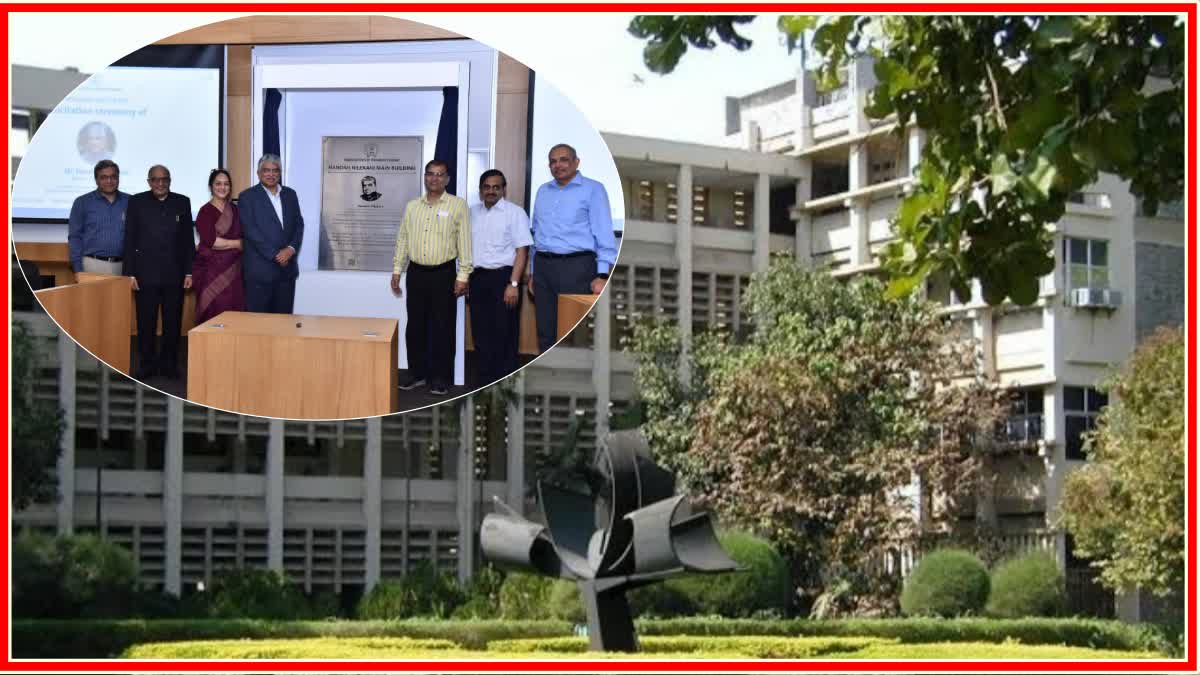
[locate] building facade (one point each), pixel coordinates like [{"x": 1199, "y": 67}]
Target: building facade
[{"x": 338, "y": 506}]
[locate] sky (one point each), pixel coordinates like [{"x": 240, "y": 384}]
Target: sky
[{"x": 590, "y": 57}]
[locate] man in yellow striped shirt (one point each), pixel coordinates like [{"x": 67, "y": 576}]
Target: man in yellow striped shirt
[{"x": 434, "y": 246}]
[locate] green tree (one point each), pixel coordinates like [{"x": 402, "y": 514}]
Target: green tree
[
  {"x": 810, "y": 432},
  {"x": 37, "y": 426},
  {"x": 1022, "y": 112},
  {"x": 1126, "y": 507}
]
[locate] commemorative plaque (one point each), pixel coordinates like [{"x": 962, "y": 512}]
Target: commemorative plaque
[{"x": 365, "y": 183}]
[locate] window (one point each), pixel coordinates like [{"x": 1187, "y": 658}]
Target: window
[
  {"x": 742, "y": 205},
  {"x": 1087, "y": 263},
  {"x": 1024, "y": 422},
  {"x": 883, "y": 170},
  {"x": 699, "y": 205},
  {"x": 830, "y": 179},
  {"x": 644, "y": 207},
  {"x": 1081, "y": 405},
  {"x": 19, "y": 133}
]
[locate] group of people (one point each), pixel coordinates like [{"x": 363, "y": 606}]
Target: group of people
[
  {"x": 246, "y": 258},
  {"x": 244, "y": 261}
]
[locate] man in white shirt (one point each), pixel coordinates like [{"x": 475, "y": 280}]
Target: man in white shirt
[{"x": 500, "y": 240}]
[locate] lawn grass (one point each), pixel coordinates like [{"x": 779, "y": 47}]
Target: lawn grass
[{"x": 675, "y": 647}]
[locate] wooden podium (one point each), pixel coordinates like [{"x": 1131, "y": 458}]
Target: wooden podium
[
  {"x": 96, "y": 314},
  {"x": 572, "y": 308},
  {"x": 294, "y": 366}
]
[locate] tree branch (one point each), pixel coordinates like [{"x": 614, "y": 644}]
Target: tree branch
[{"x": 995, "y": 96}]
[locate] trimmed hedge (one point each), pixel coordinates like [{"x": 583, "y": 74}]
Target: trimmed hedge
[
  {"x": 66, "y": 639},
  {"x": 89, "y": 639},
  {"x": 947, "y": 583},
  {"x": 318, "y": 648},
  {"x": 1028, "y": 585},
  {"x": 1074, "y": 632},
  {"x": 758, "y": 647},
  {"x": 653, "y": 647}
]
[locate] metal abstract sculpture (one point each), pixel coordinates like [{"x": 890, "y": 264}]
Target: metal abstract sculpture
[{"x": 631, "y": 531}]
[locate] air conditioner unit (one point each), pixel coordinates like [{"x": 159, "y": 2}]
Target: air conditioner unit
[{"x": 1096, "y": 298}]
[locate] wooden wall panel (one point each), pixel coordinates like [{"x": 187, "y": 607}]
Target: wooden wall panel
[
  {"x": 237, "y": 71},
  {"x": 513, "y": 77},
  {"x": 512, "y": 127},
  {"x": 294, "y": 29},
  {"x": 238, "y": 142},
  {"x": 233, "y": 31},
  {"x": 391, "y": 28}
]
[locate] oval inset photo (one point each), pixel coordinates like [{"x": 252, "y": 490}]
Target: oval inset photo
[{"x": 343, "y": 219}]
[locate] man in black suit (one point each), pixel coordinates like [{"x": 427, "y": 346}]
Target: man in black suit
[
  {"x": 273, "y": 230},
  {"x": 159, "y": 248}
]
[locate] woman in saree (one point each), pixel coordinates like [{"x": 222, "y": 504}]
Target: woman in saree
[{"x": 217, "y": 270}]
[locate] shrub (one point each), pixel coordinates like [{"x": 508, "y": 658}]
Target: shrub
[
  {"x": 255, "y": 594},
  {"x": 661, "y": 601},
  {"x": 96, "y": 638},
  {"x": 423, "y": 592},
  {"x": 947, "y": 583},
  {"x": 1028, "y": 585},
  {"x": 525, "y": 596},
  {"x": 325, "y": 605},
  {"x": 99, "y": 577},
  {"x": 482, "y": 595},
  {"x": 311, "y": 648},
  {"x": 72, "y": 576},
  {"x": 763, "y": 586},
  {"x": 36, "y": 573},
  {"x": 566, "y": 603},
  {"x": 739, "y": 646}
]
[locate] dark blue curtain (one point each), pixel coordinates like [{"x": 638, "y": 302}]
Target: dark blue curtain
[
  {"x": 271, "y": 122},
  {"x": 446, "y": 148}
]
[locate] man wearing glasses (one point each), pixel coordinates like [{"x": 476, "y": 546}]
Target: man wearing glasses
[
  {"x": 500, "y": 238},
  {"x": 433, "y": 245},
  {"x": 96, "y": 227},
  {"x": 273, "y": 229},
  {"x": 573, "y": 238},
  {"x": 159, "y": 249}
]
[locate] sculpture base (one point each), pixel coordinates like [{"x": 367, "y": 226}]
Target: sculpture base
[{"x": 610, "y": 624}]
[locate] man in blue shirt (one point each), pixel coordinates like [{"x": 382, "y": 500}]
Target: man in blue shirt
[
  {"x": 96, "y": 226},
  {"x": 573, "y": 239}
]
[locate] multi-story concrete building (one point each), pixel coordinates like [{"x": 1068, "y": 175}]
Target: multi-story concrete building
[
  {"x": 340, "y": 505},
  {"x": 35, "y": 93}
]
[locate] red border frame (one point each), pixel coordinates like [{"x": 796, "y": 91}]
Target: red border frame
[{"x": 1185, "y": 665}]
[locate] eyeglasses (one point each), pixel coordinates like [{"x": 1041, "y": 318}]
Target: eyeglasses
[
  {"x": 488, "y": 188},
  {"x": 430, "y": 174}
]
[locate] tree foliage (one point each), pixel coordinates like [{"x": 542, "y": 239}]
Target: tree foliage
[
  {"x": 811, "y": 431},
  {"x": 1126, "y": 507},
  {"x": 1021, "y": 112},
  {"x": 37, "y": 426}
]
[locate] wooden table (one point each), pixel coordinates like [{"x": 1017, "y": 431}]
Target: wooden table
[
  {"x": 572, "y": 308},
  {"x": 294, "y": 366},
  {"x": 96, "y": 314}
]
